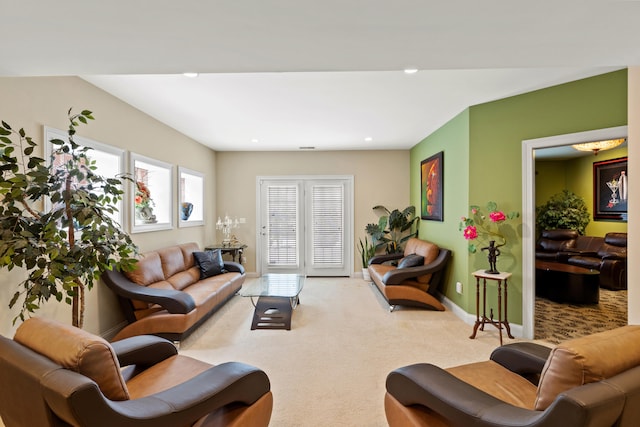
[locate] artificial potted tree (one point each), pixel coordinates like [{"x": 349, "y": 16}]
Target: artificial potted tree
[
  {"x": 394, "y": 228},
  {"x": 66, "y": 247},
  {"x": 564, "y": 210}
]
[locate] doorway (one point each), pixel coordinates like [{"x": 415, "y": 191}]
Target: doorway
[
  {"x": 528, "y": 210},
  {"x": 305, "y": 225}
]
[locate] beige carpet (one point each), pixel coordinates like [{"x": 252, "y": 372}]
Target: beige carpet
[{"x": 330, "y": 369}]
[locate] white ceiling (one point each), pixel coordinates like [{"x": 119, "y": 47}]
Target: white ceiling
[{"x": 327, "y": 74}]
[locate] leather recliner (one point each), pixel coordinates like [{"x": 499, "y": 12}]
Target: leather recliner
[
  {"x": 553, "y": 242},
  {"x": 58, "y": 375},
  {"x": 593, "y": 381},
  {"x": 610, "y": 260}
]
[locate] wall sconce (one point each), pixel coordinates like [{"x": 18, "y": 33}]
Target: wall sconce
[
  {"x": 226, "y": 225},
  {"x": 597, "y": 146}
]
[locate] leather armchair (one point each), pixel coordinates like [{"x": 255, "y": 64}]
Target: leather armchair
[
  {"x": 57, "y": 375},
  {"x": 577, "y": 383},
  {"x": 416, "y": 285}
]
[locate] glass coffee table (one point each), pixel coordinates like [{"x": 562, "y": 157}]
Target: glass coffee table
[{"x": 274, "y": 297}]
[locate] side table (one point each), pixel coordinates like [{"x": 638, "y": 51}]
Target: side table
[
  {"x": 235, "y": 250},
  {"x": 483, "y": 320}
]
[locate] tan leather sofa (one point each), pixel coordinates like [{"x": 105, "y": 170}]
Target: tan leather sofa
[
  {"x": 57, "y": 375},
  {"x": 413, "y": 285},
  {"x": 165, "y": 295},
  {"x": 590, "y": 381}
]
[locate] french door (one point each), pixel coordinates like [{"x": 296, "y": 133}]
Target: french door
[{"x": 305, "y": 225}]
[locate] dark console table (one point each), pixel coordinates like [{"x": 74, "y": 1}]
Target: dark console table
[{"x": 235, "y": 249}]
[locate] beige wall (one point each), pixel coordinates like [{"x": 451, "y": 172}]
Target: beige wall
[
  {"x": 380, "y": 177},
  {"x": 35, "y": 102}
]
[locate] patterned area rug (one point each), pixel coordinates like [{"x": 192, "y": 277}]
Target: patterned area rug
[{"x": 556, "y": 322}]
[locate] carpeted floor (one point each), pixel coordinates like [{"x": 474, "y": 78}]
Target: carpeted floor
[
  {"x": 557, "y": 322},
  {"x": 330, "y": 369}
]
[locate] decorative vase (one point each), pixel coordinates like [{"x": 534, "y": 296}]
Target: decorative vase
[
  {"x": 145, "y": 215},
  {"x": 492, "y": 255},
  {"x": 185, "y": 210},
  {"x": 365, "y": 275}
]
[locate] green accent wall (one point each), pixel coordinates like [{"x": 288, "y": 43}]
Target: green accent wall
[
  {"x": 453, "y": 140},
  {"x": 483, "y": 162},
  {"x": 577, "y": 175}
]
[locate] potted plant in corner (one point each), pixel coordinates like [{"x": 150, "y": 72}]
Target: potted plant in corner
[
  {"x": 564, "y": 210},
  {"x": 367, "y": 251},
  {"x": 66, "y": 247},
  {"x": 393, "y": 228}
]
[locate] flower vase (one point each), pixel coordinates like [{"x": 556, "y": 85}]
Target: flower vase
[
  {"x": 492, "y": 256},
  {"x": 145, "y": 215}
]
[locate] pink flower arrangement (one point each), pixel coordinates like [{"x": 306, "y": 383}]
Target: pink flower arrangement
[
  {"x": 497, "y": 216},
  {"x": 477, "y": 227}
]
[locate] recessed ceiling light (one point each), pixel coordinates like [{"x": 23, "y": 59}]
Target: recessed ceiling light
[
  {"x": 368, "y": 139},
  {"x": 410, "y": 70},
  {"x": 254, "y": 140},
  {"x": 190, "y": 75}
]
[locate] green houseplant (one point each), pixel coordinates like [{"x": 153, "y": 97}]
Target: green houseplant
[
  {"x": 564, "y": 210},
  {"x": 67, "y": 247},
  {"x": 393, "y": 228},
  {"x": 367, "y": 251}
]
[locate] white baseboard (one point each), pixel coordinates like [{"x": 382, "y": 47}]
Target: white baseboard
[{"x": 470, "y": 319}]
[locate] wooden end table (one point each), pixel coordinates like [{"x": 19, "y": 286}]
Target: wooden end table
[
  {"x": 235, "y": 250},
  {"x": 483, "y": 320}
]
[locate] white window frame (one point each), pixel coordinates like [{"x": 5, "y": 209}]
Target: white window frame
[
  {"x": 161, "y": 192},
  {"x": 53, "y": 133},
  {"x": 194, "y": 195}
]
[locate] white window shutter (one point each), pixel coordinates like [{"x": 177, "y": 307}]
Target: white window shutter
[{"x": 282, "y": 208}]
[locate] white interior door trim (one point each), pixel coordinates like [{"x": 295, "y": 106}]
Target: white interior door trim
[{"x": 529, "y": 206}]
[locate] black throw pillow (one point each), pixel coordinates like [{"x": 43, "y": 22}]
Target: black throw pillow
[
  {"x": 412, "y": 260},
  {"x": 210, "y": 263}
]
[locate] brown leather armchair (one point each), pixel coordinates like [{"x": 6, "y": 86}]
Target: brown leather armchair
[
  {"x": 416, "y": 278},
  {"x": 57, "y": 375},
  {"x": 578, "y": 383}
]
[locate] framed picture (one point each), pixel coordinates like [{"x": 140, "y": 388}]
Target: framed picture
[
  {"x": 152, "y": 196},
  {"x": 610, "y": 189},
  {"x": 432, "y": 187},
  {"x": 190, "y": 197}
]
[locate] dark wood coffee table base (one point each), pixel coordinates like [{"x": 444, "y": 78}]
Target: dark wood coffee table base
[
  {"x": 567, "y": 283},
  {"x": 272, "y": 313}
]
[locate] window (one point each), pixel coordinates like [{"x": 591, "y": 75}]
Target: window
[
  {"x": 191, "y": 197},
  {"x": 152, "y": 194},
  {"x": 109, "y": 161}
]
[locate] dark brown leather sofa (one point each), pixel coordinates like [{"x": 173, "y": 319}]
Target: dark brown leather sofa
[
  {"x": 55, "y": 375},
  {"x": 579, "y": 383},
  {"x": 165, "y": 295},
  {"x": 606, "y": 254},
  {"x": 415, "y": 285}
]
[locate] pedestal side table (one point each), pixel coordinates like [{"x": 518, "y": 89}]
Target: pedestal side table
[{"x": 481, "y": 320}]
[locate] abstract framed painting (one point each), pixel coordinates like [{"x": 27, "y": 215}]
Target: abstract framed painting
[{"x": 432, "y": 187}]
